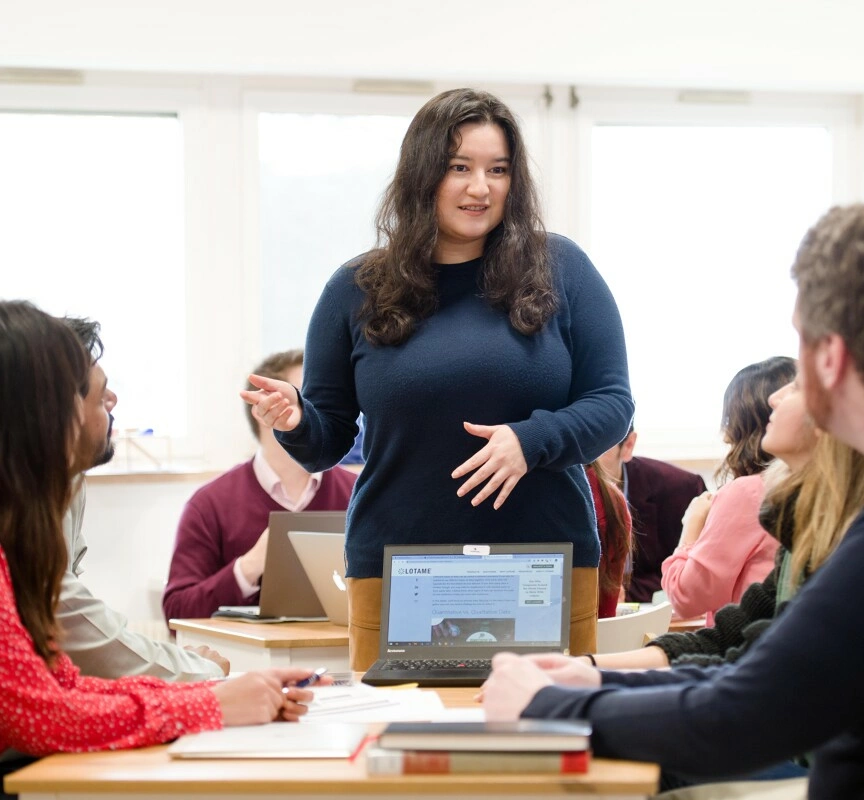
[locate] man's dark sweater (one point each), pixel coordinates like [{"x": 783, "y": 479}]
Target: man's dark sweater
[
  {"x": 564, "y": 391},
  {"x": 658, "y": 494},
  {"x": 797, "y": 689}
]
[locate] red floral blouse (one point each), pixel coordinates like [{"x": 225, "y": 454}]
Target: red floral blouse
[{"x": 53, "y": 710}]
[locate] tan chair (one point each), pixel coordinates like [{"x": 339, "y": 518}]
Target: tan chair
[{"x": 628, "y": 632}]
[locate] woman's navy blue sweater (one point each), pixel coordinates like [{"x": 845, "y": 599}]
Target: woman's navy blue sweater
[{"x": 564, "y": 391}]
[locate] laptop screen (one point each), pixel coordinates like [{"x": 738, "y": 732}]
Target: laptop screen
[{"x": 480, "y": 597}]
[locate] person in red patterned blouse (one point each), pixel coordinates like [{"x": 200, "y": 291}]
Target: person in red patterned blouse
[{"x": 46, "y": 706}]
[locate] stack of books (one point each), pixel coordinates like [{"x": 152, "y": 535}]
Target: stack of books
[{"x": 528, "y": 745}]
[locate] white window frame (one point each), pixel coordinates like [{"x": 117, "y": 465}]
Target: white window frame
[
  {"x": 210, "y": 265},
  {"x": 222, "y": 247},
  {"x": 838, "y": 114}
]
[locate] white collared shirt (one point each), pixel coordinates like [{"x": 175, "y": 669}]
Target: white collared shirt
[{"x": 270, "y": 483}]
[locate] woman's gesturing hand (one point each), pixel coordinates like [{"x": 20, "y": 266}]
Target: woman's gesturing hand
[
  {"x": 499, "y": 463},
  {"x": 275, "y": 405}
]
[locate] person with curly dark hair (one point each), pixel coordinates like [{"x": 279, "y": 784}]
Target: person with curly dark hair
[{"x": 487, "y": 356}]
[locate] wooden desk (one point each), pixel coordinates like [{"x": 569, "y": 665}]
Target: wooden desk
[
  {"x": 255, "y": 645},
  {"x": 149, "y": 774},
  {"x": 686, "y": 625}
]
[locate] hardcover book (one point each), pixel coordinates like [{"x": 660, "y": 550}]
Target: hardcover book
[
  {"x": 534, "y": 735},
  {"x": 380, "y": 761}
]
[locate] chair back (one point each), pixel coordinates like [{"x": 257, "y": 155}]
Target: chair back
[{"x": 628, "y": 632}]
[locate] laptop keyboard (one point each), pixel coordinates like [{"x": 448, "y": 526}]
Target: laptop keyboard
[{"x": 441, "y": 663}]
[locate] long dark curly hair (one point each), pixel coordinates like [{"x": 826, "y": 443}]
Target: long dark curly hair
[{"x": 398, "y": 278}]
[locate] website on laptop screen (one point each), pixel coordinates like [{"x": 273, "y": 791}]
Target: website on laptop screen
[{"x": 458, "y": 600}]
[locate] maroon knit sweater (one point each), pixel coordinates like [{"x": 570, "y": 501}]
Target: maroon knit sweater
[{"x": 220, "y": 522}]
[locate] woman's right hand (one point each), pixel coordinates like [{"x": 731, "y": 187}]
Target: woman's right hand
[
  {"x": 275, "y": 405},
  {"x": 256, "y": 698}
]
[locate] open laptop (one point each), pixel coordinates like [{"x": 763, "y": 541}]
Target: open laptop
[
  {"x": 447, "y": 609},
  {"x": 323, "y": 558},
  {"x": 286, "y": 594}
]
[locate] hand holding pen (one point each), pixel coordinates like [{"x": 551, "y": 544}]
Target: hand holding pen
[
  {"x": 298, "y": 693},
  {"x": 263, "y": 696},
  {"x": 311, "y": 680}
]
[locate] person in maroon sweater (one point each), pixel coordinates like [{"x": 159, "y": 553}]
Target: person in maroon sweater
[
  {"x": 658, "y": 494},
  {"x": 222, "y": 535}
]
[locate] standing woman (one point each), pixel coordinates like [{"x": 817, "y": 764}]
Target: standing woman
[{"x": 486, "y": 355}]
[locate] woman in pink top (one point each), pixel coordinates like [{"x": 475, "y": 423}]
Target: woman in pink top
[{"x": 723, "y": 549}]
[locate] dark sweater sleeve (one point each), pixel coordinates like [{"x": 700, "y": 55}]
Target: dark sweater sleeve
[
  {"x": 329, "y": 424},
  {"x": 601, "y": 406},
  {"x": 657, "y": 677},
  {"x": 733, "y": 628},
  {"x": 798, "y": 687}
]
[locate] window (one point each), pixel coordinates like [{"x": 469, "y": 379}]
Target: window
[
  {"x": 199, "y": 219},
  {"x": 321, "y": 179},
  {"x": 694, "y": 220},
  {"x": 92, "y": 210}
]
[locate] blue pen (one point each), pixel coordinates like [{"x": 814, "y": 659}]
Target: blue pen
[{"x": 311, "y": 680}]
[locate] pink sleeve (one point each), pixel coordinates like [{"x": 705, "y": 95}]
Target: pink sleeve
[
  {"x": 700, "y": 578},
  {"x": 46, "y": 710}
]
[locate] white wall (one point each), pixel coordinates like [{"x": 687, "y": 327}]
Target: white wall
[
  {"x": 129, "y": 527},
  {"x": 759, "y": 44}
]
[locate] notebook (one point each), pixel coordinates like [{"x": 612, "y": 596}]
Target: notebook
[
  {"x": 286, "y": 594},
  {"x": 447, "y": 609},
  {"x": 323, "y": 558},
  {"x": 276, "y": 740}
]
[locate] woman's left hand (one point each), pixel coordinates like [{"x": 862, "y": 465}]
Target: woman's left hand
[{"x": 500, "y": 463}]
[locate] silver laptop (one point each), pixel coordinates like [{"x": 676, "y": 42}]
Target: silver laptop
[
  {"x": 286, "y": 594},
  {"x": 323, "y": 558},
  {"x": 447, "y": 609}
]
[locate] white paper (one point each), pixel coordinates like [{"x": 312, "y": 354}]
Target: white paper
[
  {"x": 475, "y": 714},
  {"x": 363, "y": 703}
]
